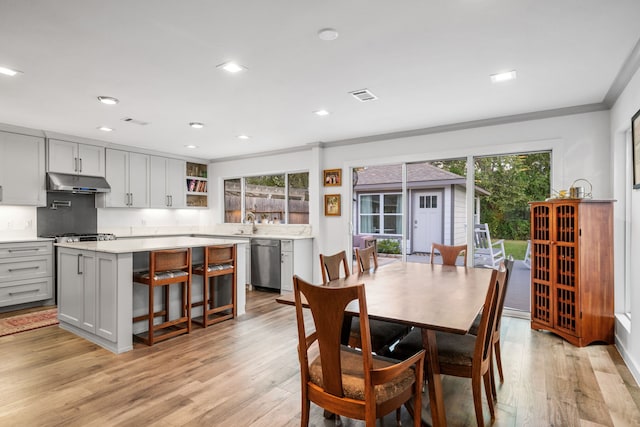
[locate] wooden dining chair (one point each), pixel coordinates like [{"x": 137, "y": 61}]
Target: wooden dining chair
[
  {"x": 467, "y": 356},
  {"x": 218, "y": 273},
  {"x": 448, "y": 253},
  {"x": 383, "y": 334},
  {"x": 367, "y": 259},
  {"x": 166, "y": 268},
  {"x": 344, "y": 381},
  {"x": 497, "y": 352},
  {"x": 330, "y": 266}
]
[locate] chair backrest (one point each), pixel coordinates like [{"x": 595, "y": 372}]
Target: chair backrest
[
  {"x": 509, "y": 267},
  {"x": 220, "y": 254},
  {"x": 327, "y": 306},
  {"x": 364, "y": 258},
  {"x": 330, "y": 266},
  {"x": 449, "y": 253},
  {"x": 481, "y": 236},
  {"x": 495, "y": 294},
  {"x": 165, "y": 260}
]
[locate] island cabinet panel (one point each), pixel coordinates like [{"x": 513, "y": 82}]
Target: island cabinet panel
[
  {"x": 87, "y": 294},
  {"x": 572, "y": 269}
]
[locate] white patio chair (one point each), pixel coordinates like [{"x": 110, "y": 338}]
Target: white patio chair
[
  {"x": 486, "y": 252},
  {"x": 527, "y": 255}
]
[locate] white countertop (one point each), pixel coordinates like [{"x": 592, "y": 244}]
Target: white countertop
[
  {"x": 148, "y": 244},
  {"x": 26, "y": 239}
]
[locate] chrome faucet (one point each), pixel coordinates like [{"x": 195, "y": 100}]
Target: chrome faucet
[{"x": 252, "y": 217}]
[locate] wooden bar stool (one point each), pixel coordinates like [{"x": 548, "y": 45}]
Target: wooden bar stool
[
  {"x": 166, "y": 268},
  {"x": 219, "y": 261}
]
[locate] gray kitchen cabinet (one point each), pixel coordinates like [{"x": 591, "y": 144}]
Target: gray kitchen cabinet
[
  {"x": 128, "y": 176},
  {"x": 88, "y": 299},
  {"x": 76, "y": 158},
  {"x": 166, "y": 183},
  {"x": 296, "y": 258},
  {"x": 22, "y": 171},
  {"x": 26, "y": 272}
]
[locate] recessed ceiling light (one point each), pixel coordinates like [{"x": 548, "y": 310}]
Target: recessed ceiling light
[
  {"x": 327, "y": 34},
  {"x": 503, "y": 77},
  {"x": 244, "y": 137},
  {"x": 196, "y": 125},
  {"x": 321, "y": 113},
  {"x": 9, "y": 72},
  {"x": 109, "y": 100},
  {"x": 232, "y": 67},
  {"x": 105, "y": 129},
  {"x": 191, "y": 146}
]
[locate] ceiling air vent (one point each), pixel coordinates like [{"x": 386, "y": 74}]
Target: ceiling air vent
[
  {"x": 134, "y": 121},
  {"x": 363, "y": 95}
]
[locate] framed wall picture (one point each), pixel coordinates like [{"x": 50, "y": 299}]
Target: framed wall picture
[
  {"x": 332, "y": 177},
  {"x": 332, "y": 205},
  {"x": 635, "y": 147}
]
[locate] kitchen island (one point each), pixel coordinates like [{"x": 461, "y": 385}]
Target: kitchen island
[{"x": 96, "y": 296}]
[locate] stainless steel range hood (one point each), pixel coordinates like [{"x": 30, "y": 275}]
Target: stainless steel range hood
[{"x": 77, "y": 183}]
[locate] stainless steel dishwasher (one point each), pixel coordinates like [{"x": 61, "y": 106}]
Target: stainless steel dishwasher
[{"x": 265, "y": 263}]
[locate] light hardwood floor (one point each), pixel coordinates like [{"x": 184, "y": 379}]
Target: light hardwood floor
[{"x": 244, "y": 372}]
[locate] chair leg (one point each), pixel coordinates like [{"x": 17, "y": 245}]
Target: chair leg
[
  {"x": 151, "y": 311},
  {"x": 492, "y": 377},
  {"x": 304, "y": 418},
  {"x": 496, "y": 347},
  {"x": 487, "y": 389},
  {"x": 476, "y": 386}
]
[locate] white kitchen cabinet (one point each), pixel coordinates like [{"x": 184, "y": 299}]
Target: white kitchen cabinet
[
  {"x": 22, "y": 171},
  {"x": 128, "y": 176},
  {"x": 296, "y": 258},
  {"x": 26, "y": 272},
  {"x": 76, "y": 158},
  {"x": 88, "y": 298},
  {"x": 166, "y": 183}
]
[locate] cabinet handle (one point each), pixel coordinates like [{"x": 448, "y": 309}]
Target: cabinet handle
[
  {"x": 11, "y": 270},
  {"x": 170, "y": 200},
  {"x": 23, "y": 292},
  {"x": 0, "y": 193},
  {"x": 75, "y": 164},
  {"x": 23, "y": 250},
  {"x": 79, "y": 263},
  {"x": 166, "y": 202},
  {"x": 130, "y": 199},
  {"x": 80, "y": 164}
]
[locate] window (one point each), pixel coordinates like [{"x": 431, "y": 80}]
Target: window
[
  {"x": 381, "y": 214},
  {"x": 273, "y": 199}
]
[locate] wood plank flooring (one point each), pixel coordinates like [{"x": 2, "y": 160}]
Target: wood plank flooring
[{"x": 244, "y": 372}]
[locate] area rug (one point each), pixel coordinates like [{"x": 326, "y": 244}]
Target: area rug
[{"x": 29, "y": 321}]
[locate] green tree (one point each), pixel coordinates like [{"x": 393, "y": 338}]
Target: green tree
[{"x": 512, "y": 181}]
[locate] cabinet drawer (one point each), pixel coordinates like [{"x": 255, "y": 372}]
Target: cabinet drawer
[
  {"x": 22, "y": 291},
  {"x": 25, "y": 268},
  {"x": 22, "y": 249}
]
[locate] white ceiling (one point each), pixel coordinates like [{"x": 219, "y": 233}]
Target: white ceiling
[{"x": 428, "y": 61}]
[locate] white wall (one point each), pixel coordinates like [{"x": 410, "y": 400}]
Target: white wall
[
  {"x": 18, "y": 222},
  {"x": 580, "y": 145},
  {"x": 135, "y": 222},
  {"x": 627, "y": 220}
]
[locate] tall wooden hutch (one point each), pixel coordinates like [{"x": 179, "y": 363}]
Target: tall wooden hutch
[{"x": 572, "y": 269}]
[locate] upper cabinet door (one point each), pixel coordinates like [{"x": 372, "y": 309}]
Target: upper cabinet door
[
  {"x": 117, "y": 177},
  {"x": 22, "y": 170},
  {"x": 74, "y": 158},
  {"x": 63, "y": 156},
  {"x": 139, "y": 180},
  {"x": 91, "y": 160},
  {"x": 176, "y": 183},
  {"x": 157, "y": 177}
]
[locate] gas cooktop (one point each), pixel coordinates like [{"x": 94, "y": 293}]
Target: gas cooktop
[{"x": 81, "y": 237}]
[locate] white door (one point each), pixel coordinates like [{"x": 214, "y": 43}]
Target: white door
[{"x": 427, "y": 220}]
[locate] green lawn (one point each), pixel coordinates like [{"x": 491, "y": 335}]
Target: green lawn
[{"x": 515, "y": 248}]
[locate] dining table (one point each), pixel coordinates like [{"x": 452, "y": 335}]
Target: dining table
[{"x": 433, "y": 297}]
